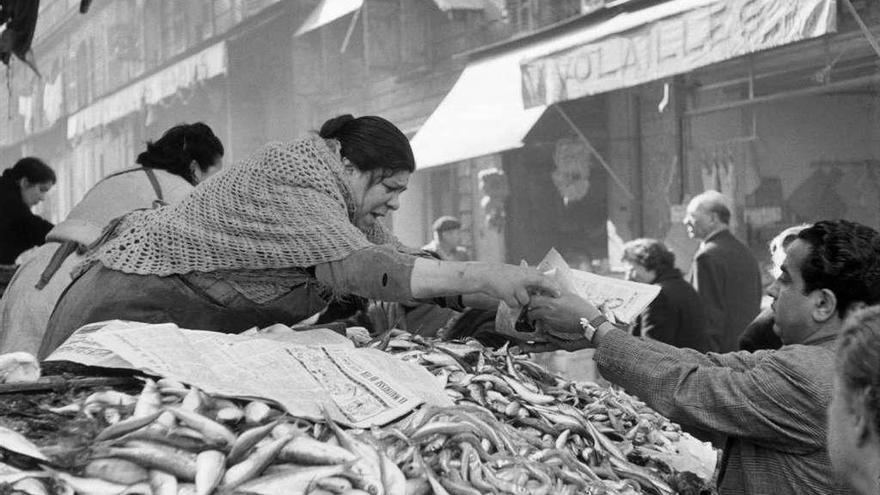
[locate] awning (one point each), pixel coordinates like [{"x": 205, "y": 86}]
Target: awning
[
  {"x": 485, "y": 111},
  {"x": 204, "y": 65},
  {"x": 326, "y": 12}
]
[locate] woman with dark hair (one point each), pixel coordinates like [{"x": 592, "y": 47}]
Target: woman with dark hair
[
  {"x": 170, "y": 167},
  {"x": 675, "y": 317},
  {"x": 275, "y": 238},
  {"x": 21, "y": 188},
  {"x": 854, "y": 411}
]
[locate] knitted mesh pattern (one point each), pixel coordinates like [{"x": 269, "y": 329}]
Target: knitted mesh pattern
[{"x": 286, "y": 206}]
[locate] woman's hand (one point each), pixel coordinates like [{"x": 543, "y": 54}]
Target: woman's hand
[
  {"x": 562, "y": 314},
  {"x": 515, "y": 284}
]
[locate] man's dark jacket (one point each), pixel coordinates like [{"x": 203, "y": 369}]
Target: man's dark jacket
[
  {"x": 727, "y": 278},
  {"x": 676, "y": 316}
]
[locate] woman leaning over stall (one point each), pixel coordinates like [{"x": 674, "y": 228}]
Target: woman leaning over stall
[
  {"x": 21, "y": 188},
  {"x": 169, "y": 168},
  {"x": 854, "y": 412},
  {"x": 273, "y": 238}
]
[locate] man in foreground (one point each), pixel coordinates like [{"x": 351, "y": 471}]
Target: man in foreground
[{"x": 770, "y": 404}]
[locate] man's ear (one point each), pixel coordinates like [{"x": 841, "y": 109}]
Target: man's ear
[{"x": 824, "y": 305}]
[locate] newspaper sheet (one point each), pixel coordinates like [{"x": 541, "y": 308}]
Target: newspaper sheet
[
  {"x": 301, "y": 373},
  {"x": 621, "y": 300}
]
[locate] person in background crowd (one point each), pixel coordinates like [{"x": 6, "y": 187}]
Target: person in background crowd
[
  {"x": 770, "y": 404},
  {"x": 446, "y": 242},
  {"x": 854, "y": 412},
  {"x": 759, "y": 333},
  {"x": 22, "y": 187},
  {"x": 675, "y": 317},
  {"x": 273, "y": 239},
  {"x": 724, "y": 272},
  {"x": 170, "y": 167}
]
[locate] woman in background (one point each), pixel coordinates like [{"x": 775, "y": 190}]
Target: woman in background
[
  {"x": 21, "y": 188},
  {"x": 676, "y": 316},
  {"x": 169, "y": 168}
]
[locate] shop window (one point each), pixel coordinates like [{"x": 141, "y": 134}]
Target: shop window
[
  {"x": 384, "y": 33},
  {"x": 98, "y": 72},
  {"x": 528, "y": 15},
  {"x": 83, "y": 69},
  {"x": 174, "y": 28},
  {"x": 227, "y": 13},
  {"x": 200, "y": 20},
  {"x": 343, "y": 54},
  {"x": 153, "y": 39}
]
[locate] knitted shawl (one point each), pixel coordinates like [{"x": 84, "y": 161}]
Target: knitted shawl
[{"x": 286, "y": 206}]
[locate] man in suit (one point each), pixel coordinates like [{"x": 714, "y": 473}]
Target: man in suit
[{"x": 724, "y": 272}]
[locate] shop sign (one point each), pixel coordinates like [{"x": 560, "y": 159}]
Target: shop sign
[{"x": 712, "y": 32}]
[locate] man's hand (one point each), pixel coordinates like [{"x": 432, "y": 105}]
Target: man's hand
[{"x": 562, "y": 315}]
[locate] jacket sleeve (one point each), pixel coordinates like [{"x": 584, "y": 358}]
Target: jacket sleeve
[
  {"x": 767, "y": 397},
  {"x": 708, "y": 281}
]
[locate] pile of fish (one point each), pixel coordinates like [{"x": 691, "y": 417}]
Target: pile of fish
[{"x": 514, "y": 429}]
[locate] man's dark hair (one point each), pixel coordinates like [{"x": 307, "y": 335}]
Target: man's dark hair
[
  {"x": 844, "y": 258},
  {"x": 650, "y": 253}
]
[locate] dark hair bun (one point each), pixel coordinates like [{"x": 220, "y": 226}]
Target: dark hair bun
[{"x": 331, "y": 128}]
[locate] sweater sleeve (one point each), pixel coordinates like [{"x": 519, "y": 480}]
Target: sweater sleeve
[
  {"x": 773, "y": 398},
  {"x": 377, "y": 272}
]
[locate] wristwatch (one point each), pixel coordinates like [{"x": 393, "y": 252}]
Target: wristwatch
[{"x": 590, "y": 326}]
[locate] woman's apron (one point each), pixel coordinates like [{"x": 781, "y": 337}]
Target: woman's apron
[{"x": 193, "y": 301}]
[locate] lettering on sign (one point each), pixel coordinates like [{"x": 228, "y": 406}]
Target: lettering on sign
[{"x": 672, "y": 45}]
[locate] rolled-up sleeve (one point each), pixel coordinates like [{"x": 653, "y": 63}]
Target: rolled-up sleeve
[
  {"x": 772, "y": 398},
  {"x": 378, "y": 272}
]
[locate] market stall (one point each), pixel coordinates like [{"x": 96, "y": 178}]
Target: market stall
[{"x": 395, "y": 414}]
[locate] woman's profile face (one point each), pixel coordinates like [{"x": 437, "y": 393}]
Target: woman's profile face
[
  {"x": 32, "y": 193},
  {"x": 636, "y": 272},
  {"x": 376, "y": 193}
]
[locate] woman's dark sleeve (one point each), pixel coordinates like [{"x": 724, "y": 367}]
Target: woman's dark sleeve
[
  {"x": 659, "y": 321},
  {"x": 37, "y": 228}
]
